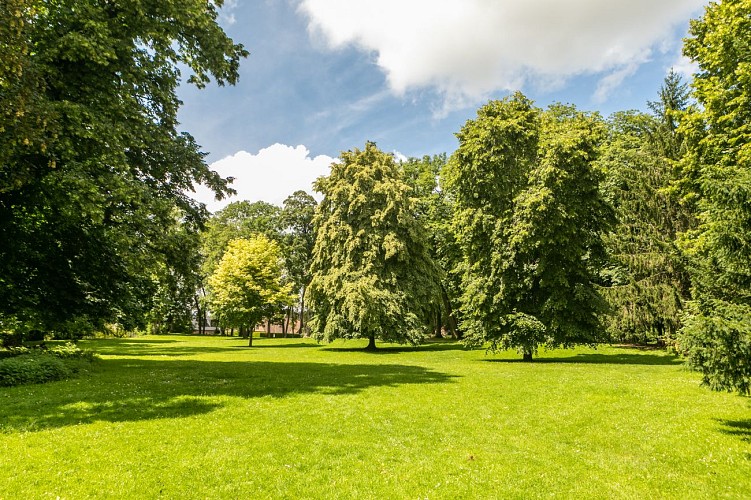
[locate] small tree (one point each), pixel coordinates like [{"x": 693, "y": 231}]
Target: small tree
[
  {"x": 247, "y": 284},
  {"x": 372, "y": 275}
]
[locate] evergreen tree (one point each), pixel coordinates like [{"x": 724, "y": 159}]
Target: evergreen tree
[
  {"x": 717, "y": 168},
  {"x": 647, "y": 278},
  {"x": 372, "y": 275}
]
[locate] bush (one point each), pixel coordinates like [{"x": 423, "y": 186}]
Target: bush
[
  {"x": 35, "y": 366},
  {"x": 12, "y": 352},
  {"x": 70, "y": 351},
  {"x": 32, "y": 368}
]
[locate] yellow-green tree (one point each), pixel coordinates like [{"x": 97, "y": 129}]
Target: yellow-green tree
[{"x": 247, "y": 284}]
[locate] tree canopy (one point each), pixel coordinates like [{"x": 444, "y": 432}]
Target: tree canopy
[
  {"x": 247, "y": 285},
  {"x": 372, "y": 275},
  {"x": 93, "y": 166},
  {"x": 529, "y": 217},
  {"x": 717, "y": 332}
]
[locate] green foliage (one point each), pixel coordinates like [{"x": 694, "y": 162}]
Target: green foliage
[
  {"x": 32, "y": 369},
  {"x": 92, "y": 166},
  {"x": 37, "y": 365},
  {"x": 718, "y": 172},
  {"x": 239, "y": 219},
  {"x": 435, "y": 207},
  {"x": 247, "y": 284},
  {"x": 647, "y": 282},
  {"x": 372, "y": 275},
  {"x": 529, "y": 217},
  {"x": 299, "y": 239}
]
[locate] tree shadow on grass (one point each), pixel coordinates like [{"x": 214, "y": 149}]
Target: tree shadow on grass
[
  {"x": 120, "y": 390},
  {"x": 738, "y": 428},
  {"x": 602, "y": 359},
  {"x": 429, "y": 346}
]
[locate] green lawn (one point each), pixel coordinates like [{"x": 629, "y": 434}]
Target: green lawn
[{"x": 193, "y": 417}]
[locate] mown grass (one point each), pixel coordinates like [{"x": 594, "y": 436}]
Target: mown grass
[{"x": 193, "y": 417}]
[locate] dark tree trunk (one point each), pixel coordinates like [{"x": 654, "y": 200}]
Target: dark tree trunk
[
  {"x": 450, "y": 319},
  {"x": 286, "y": 321},
  {"x": 371, "y": 344},
  {"x": 527, "y": 356},
  {"x": 268, "y": 327},
  {"x": 250, "y": 338},
  {"x": 438, "y": 323}
]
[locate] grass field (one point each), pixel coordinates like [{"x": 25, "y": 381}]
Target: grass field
[{"x": 196, "y": 417}]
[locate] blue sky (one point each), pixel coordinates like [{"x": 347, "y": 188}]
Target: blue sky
[{"x": 327, "y": 75}]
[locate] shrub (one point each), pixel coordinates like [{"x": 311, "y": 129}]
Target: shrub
[
  {"x": 35, "y": 366},
  {"x": 32, "y": 369}
]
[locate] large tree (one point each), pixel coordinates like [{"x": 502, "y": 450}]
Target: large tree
[
  {"x": 530, "y": 218},
  {"x": 247, "y": 285},
  {"x": 372, "y": 275},
  {"x": 647, "y": 279},
  {"x": 91, "y": 178},
  {"x": 717, "y": 169}
]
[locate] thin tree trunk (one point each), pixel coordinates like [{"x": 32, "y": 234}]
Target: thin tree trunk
[
  {"x": 268, "y": 327},
  {"x": 289, "y": 318},
  {"x": 527, "y": 355},
  {"x": 438, "y": 323},
  {"x": 250, "y": 337},
  {"x": 302, "y": 311},
  {"x": 371, "y": 344},
  {"x": 450, "y": 318}
]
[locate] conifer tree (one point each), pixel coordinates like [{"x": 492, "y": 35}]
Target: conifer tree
[{"x": 717, "y": 169}]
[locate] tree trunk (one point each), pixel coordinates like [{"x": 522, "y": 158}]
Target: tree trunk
[
  {"x": 302, "y": 311},
  {"x": 287, "y": 318},
  {"x": 450, "y": 318},
  {"x": 250, "y": 337},
  {"x": 527, "y": 356},
  {"x": 438, "y": 323},
  {"x": 371, "y": 344},
  {"x": 268, "y": 328}
]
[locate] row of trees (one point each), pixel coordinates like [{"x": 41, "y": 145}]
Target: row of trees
[{"x": 545, "y": 227}]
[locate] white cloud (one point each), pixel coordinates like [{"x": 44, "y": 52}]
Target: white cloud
[
  {"x": 270, "y": 175},
  {"x": 685, "y": 67},
  {"x": 466, "y": 49}
]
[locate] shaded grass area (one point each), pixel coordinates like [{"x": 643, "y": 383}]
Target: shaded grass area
[{"x": 196, "y": 417}]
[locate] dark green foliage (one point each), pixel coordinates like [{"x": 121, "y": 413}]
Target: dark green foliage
[
  {"x": 32, "y": 369},
  {"x": 435, "y": 207},
  {"x": 530, "y": 217},
  {"x": 647, "y": 282},
  {"x": 35, "y": 366},
  {"x": 717, "y": 168},
  {"x": 372, "y": 275},
  {"x": 92, "y": 165}
]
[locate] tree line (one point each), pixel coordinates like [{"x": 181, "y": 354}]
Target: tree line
[{"x": 545, "y": 227}]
